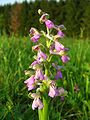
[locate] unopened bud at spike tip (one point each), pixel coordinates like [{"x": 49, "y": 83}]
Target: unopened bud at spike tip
[{"x": 40, "y": 12}]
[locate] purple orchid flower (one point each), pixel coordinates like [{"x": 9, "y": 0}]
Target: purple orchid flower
[
  {"x": 53, "y": 91},
  {"x": 34, "y": 64},
  {"x": 36, "y": 47},
  {"x": 33, "y": 31},
  {"x": 52, "y": 49},
  {"x": 58, "y": 46},
  {"x": 39, "y": 75},
  {"x": 41, "y": 56},
  {"x": 30, "y": 82},
  {"x": 35, "y": 38},
  {"x": 44, "y": 17},
  {"x": 65, "y": 59},
  {"x": 37, "y": 104},
  {"x": 58, "y": 75},
  {"x": 49, "y": 24},
  {"x": 60, "y": 33}
]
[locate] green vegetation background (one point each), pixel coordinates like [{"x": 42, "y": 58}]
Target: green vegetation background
[
  {"x": 16, "y": 56},
  {"x": 20, "y": 17}
]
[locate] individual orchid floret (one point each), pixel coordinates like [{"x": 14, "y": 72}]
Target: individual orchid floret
[
  {"x": 30, "y": 83},
  {"x": 53, "y": 90},
  {"x": 36, "y": 48},
  {"x": 41, "y": 56},
  {"x": 60, "y": 34},
  {"x": 58, "y": 46},
  {"x": 35, "y": 38},
  {"x": 35, "y": 65},
  {"x": 58, "y": 75},
  {"x": 65, "y": 59},
  {"x": 59, "y": 29},
  {"x": 43, "y": 18},
  {"x": 35, "y": 35},
  {"x": 52, "y": 49},
  {"x": 39, "y": 75},
  {"x": 49, "y": 24},
  {"x": 33, "y": 31},
  {"x": 37, "y": 104}
]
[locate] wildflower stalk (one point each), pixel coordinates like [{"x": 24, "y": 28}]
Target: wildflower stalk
[
  {"x": 40, "y": 114},
  {"x": 43, "y": 113},
  {"x": 42, "y": 83},
  {"x": 45, "y": 109}
]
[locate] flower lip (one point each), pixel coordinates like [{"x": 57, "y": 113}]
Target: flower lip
[
  {"x": 30, "y": 83},
  {"x": 58, "y": 75},
  {"x": 41, "y": 56},
  {"x": 37, "y": 104},
  {"x": 65, "y": 59},
  {"x": 34, "y": 63},
  {"x": 39, "y": 75},
  {"x": 58, "y": 46},
  {"x": 60, "y": 33},
  {"x": 53, "y": 91},
  {"x": 49, "y": 24},
  {"x": 35, "y": 38}
]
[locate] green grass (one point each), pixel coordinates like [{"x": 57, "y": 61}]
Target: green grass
[{"x": 16, "y": 56}]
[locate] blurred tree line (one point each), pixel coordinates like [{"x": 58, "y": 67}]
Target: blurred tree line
[{"x": 20, "y": 17}]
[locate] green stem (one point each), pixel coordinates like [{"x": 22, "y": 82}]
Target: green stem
[
  {"x": 43, "y": 113},
  {"x": 40, "y": 112},
  {"x": 46, "y": 72},
  {"x": 47, "y": 31},
  {"x": 45, "y": 109}
]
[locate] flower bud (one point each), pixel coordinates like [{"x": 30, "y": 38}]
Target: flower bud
[
  {"x": 40, "y": 12},
  {"x": 65, "y": 59}
]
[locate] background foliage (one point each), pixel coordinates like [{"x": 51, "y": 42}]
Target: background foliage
[
  {"x": 16, "y": 56},
  {"x": 19, "y": 17}
]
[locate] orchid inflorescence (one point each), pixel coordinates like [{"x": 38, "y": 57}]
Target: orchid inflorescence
[{"x": 42, "y": 82}]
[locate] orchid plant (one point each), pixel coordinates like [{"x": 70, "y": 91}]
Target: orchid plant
[{"x": 45, "y": 71}]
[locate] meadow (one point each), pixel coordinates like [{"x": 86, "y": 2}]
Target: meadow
[{"x": 15, "y": 57}]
